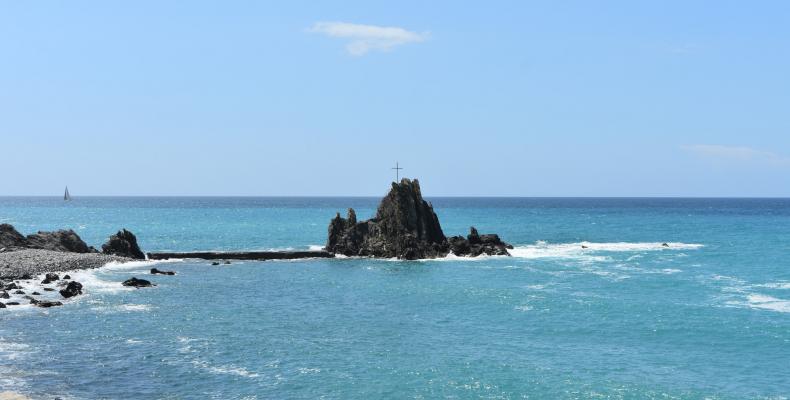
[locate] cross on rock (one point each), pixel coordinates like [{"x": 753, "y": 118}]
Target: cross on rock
[{"x": 397, "y": 169}]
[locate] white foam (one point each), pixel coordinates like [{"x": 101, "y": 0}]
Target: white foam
[
  {"x": 523, "y": 308},
  {"x": 591, "y": 251},
  {"x": 315, "y": 247},
  {"x": 776, "y": 285},
  {"x": 764, "y": 302},
  {"x": 225, "y": 369}
]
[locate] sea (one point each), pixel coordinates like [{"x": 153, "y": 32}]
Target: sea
[{"x": 590, "y": 305}]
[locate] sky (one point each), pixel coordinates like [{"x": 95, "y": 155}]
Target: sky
[{"x": 494, "y": 98}]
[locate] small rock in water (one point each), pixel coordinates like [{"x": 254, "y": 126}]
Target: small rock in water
[
  {"x": 66, "y": 277},
  {"x": 49, "y": 278},
  {"x": 19, "y": 292},
  {"x": 11, "y": 286},
  {"x": 12, "y": 303},
  {"x": 215, "y": 263},
  {"x": 47, "y": 304},
  {"x": 49, "y": 289},
  {"x": 155, "y": 271},
  {"x": 227, "y": 261},
  {"x": 4, "y": 295},
  {"x": 138, "y": 283},
  {"x": 71, "y": 290},
  {"x": 36, "y": 294},
  {"x": 2, "y": 305},
  {"x": 664, "y": 244}
]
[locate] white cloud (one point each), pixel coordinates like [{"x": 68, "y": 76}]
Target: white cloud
[
  {"x": 364, "y": 38},
  {"x": 737, "y": 153}
]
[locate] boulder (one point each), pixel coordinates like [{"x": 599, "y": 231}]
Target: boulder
[
  {"x": 47, "y": 304},
  {"x": 155, "y": 271},
  {"x": 49, "y": 278},
  {"x": 123, "y": 244},
  {"x": 66, "y": 277},
  {"x": 19, "y": 292},
  {"x": 405, "y": 226},
  {"x": 4, "y": 295},
  {"x": 72, "y": 289},
  {"x": 10, "y": 238},
  {"x": 2, "y": 305},
  {"x": 49, "y": 289},
  {"x": 11, "y": 286},
  {"x": 138, "y": 283},
  {"x": 12, "y": 303},
  {"x": 62, "y": 240}
]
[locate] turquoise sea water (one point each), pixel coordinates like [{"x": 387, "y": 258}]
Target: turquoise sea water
[{"x": 706, "y": 318}]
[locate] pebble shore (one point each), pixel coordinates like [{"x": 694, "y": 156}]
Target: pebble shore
[{"x": 21, "y": 264}]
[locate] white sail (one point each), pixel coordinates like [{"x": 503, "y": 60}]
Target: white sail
[{"x": 66, "y": 196}]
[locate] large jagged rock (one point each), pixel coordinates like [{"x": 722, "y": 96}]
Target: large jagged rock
[
  {"x": 62, "y": 240},
  {"x": 123, "y": 244},
  {"x": 405, "y": 226},
  {"x": 10, "y": 238}
]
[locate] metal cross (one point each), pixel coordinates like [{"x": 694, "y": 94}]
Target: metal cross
[{"x": 397, "y": 169}]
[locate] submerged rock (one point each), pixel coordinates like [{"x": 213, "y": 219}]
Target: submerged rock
[
  {"x": 123, "y": 244},
  {"x": 62, "y": 240},
  {"x": 406, "y": 227},
  {"x": 47, "y": 304},
  {"x": 2, "y": 305},
  {"x": 72, "y": 289},
  {"x": 138, "y": 283},
  {"x": 155, "y": 271}
]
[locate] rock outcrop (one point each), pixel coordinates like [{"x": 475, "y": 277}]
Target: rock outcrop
[
  {"x": 10, "y": 238},
  {"x": 123, "y": 244},
  {"x": 62, "y": 240},
  {"x": 406, "y": 227},
  {"x": 155, "y": 271},
  {"x": 476, "y": 244}
]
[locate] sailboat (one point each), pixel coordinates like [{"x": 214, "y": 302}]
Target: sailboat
[{"x": 66, "y": 196}]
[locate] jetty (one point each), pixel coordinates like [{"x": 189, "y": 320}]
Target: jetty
[{"x": 242, "y": 255}]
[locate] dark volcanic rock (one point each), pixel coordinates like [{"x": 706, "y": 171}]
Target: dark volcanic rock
[
  {"x": 49, "y": 278},
  {"x": 476, "y": 244},
  {"x": 405, "y": 226},
  {"x": 49, "y": 289},
  {"x": 2, "y": 305},
  {"x": 10, "y": 238},
  {"x": 123, "y": 244},
  {"x": 138, "y": 283},
  {"x": 155, "y": 271},
  {"x": 12, "y": 303},
  {"x": 71, "y": 290},
  {"x": 63, "y": 240},
  {"x": 66, "y": 277},
  {"x": 47, "y": 304}
]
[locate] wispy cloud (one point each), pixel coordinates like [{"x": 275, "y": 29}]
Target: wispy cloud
[
  {"x": 365, "y": 38},
  {"x": 737, "y": 153}
]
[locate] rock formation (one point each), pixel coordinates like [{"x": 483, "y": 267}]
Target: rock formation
[
  {"x": 74, "y": 288},
  {"x": 62, "y": 240},
  {"x": 138, "y": 283},
  {"x": 123, "y": 244},
  {"x": 10, "y": 238},
  {"x": 406, "y": 227}
]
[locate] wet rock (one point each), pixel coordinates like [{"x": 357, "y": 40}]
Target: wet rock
[
  {"x": 215, "y": 263},
  {"x": 123, "y": 244},
  {"x": 62, "y": 240},
  {"x": 49, "y": 289},
  {"x": 12, "y": 303},
  {"x": 66, "y": 277},
  {"x": 4, "y": 295},
  {"x": 138, "y": 283},
  {"x": 49, "y": 278},
  {"x": 155, "y": 271},
  {"x": 36, "y": 294},
  {"x": 19, "y": 292},
  {"x": 227, "y": 261},
  {"x": 476, "y": 244},
  {"x": 2, "y": 305},
  {"x": 11, "y": 286},
  {"x": 72, "y": 289},
  {"x": 47, "y": 304}
]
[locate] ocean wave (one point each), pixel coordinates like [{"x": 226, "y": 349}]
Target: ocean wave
[
  {"x": 315, "y": 247},
  {"x": 225, "y": 369},
  {"x": 588, "y": 250},
  {"x": 763, "y": 302}
]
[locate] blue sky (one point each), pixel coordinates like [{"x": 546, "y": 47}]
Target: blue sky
[{"x": 686, "y": 98}]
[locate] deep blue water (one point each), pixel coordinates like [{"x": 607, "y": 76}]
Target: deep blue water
[{"x": 706, "y": 318}]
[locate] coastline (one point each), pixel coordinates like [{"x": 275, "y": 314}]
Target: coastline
[{"x": 27, "y": 263}]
